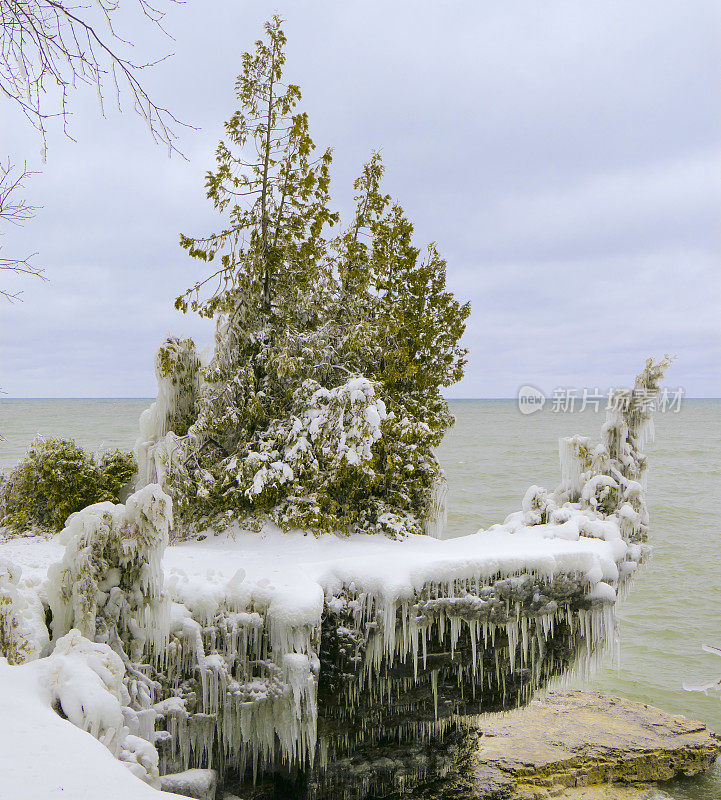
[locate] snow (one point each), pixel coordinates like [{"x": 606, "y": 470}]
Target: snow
[
  {"x": 290, "y": 573},
  {"x": 42, "y": 755}
]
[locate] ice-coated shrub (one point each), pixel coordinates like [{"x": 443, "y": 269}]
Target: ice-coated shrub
[
  {"x": 57, "y": 478},
  {"x": 177, "y": 370},
  {"x": 109, "y": 582},
  {"x": 13, "y": 645},
  {"x": 23, "y": 632},
  {"x": 607, "y": 478}
]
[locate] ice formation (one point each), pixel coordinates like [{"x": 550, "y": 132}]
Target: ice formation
[
  {"x": 177, "y": 370},
  {"x": 109, "y": 583},
  {"x": 435, "y": 522},
  {"x": 344, "y": 659},
  {"x": 610, "y": 477},
  {"x": 23, "y": 633}
]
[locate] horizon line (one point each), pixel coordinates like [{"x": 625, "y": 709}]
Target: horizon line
[{"x": 451, "y": 399}]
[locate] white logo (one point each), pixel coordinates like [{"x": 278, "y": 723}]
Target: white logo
[{"x": 530, "y": 399}]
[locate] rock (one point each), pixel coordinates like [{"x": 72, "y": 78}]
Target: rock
[
  {"x": 198, "y": 783},
  {"x": 566, "y": 742}
]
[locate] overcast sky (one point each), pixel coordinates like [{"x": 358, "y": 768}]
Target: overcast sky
[{"x": 565, "y": 156}]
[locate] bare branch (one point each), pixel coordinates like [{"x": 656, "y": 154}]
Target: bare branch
[
  {"x": 47, "y": 48},
  {"x": 46, "y": 45},
  {"x": 16, "y": 211}
]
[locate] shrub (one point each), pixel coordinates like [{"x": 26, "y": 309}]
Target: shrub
[{"x": 57, "y": 478}]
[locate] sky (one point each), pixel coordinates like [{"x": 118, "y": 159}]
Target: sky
[{"x": 564, "y": 156}]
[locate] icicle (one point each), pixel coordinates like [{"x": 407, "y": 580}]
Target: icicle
[{"x": 435, "y": 523}]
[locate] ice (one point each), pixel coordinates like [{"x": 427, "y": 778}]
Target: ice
[
  {"x": 177, "y": 370},
  {"x": 109, "y": 583},
  {"x": 435, "y": 523},
  {"x": 23, "y": 633},
  {"x": 212, "y": 647},
  {"x": 141, "y": 758},
  {"x": 86, "y": 680}
]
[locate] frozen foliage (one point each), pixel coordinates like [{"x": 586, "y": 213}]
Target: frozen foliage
[
  {"x": 23, "y": 635},
  {"x": 109, "y": 584},
  {"x": 43, "y": 755},
  {"x": 177, "y": 370},
  {"x": 610, "y": 477},
  {"x": 57, "y": 478},
  {"x": 85, "y": 681},
  {"x": 435, "y": 522}
]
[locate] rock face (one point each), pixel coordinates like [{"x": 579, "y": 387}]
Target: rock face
[{"x": 558, "y": 745}]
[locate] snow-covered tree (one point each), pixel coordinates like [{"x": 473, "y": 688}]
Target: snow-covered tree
[{"x": 322, "y": 402}]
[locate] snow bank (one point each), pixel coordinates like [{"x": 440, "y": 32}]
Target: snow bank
[{"x": 42, "y": 755}]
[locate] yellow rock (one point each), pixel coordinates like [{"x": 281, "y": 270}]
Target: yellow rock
[{"x": 586, "y": 746}]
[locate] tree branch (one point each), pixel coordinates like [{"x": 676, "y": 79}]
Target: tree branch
[
  {"x": 44, "y": 43},
  {"x": 16, "y": 211}
]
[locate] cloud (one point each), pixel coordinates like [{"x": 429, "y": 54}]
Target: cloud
[{"x": 563, "y": 156}]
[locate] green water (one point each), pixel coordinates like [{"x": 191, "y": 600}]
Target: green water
[{"x": 490, "y": 457}]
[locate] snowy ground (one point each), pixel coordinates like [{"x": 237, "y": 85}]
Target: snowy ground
[{"x": 43, "y": 756}]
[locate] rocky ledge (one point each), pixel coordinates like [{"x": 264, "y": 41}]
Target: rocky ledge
[
  {"x": 564, "y": 746},
  {"x": 566, "y": 742}
]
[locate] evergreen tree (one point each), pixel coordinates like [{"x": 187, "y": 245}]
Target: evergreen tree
[
  {"x": 322, "y": 404},
  {"x": 407, "y": 324},
  {"x": 273, "y": 274},
  {"x": 274, "y": 192}
]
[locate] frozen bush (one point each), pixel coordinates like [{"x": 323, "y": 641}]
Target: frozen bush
[{"x": 57, "y": 478}]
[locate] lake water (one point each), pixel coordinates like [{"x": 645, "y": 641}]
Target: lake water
[{"x": 491, "y": 456}]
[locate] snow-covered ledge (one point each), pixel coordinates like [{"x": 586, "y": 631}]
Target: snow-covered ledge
[
  {"x": 401, "y": 639},
  {"x": 345, "y": 660}
]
